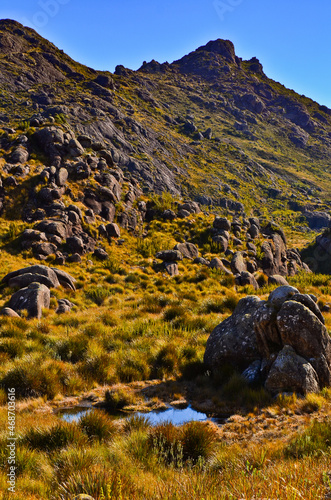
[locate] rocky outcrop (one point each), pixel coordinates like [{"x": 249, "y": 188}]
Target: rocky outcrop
[
  {"x": 33, "y": 299},
  {"x": 282, "y": 342},
  {"x": 234, "y": 341},
  {"x": 35, "y": 283}
]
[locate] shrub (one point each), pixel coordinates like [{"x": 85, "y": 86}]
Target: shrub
[
  {"x": 312, "y": 402},
  {"x": 117, "y": 399},
  {"x": 192, "y": 369},
  {"x": 174, "y": 312},
  {"x": 58, "y": 436},
  {"x": 74, "y": 459},
  {"x": 32, "y": 378},
  {"x": 132, "y": 278},
  {"x": 132, "y": 368},
  {"x": 73, "y": 349},
  {"x": 98, "y": 294},
  {"x": 234, "y": 386},
  {"x": 136, "y": 423},
  {"x": 97, "y": 424},
  {"x": 166, "y": 361},
  {"x": 164, "y": 439},
  {"x": 13, "y": 347},
  {"x": 95, "y": 368},
  {"x": 198, "y": 440},
  {"x": 99, "y": 483}
]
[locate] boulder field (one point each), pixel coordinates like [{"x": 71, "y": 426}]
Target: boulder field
[{"x": 281, "y": 342}]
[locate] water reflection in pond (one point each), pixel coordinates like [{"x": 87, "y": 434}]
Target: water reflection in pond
[
  {"x": 73, "y": 414},
  {"x": 174, "y": 415}
]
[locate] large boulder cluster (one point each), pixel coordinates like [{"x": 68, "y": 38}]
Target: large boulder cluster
[
  {"x": 281, "y": 342},
  {"x": 62, "y": 229},
  {"x": 33, "y": 294},
  {"x": 254, "y": 248}
]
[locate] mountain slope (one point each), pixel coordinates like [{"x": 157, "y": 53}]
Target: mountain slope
[{"x": 207, "y": 119}]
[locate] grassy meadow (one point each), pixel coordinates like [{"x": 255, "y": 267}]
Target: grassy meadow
[{"x": 135, "y": 339}]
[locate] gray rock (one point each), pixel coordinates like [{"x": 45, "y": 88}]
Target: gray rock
[
  {"x": 169, "y": 255},
  {"x": 301, "y": 329},
  {"x": 27, "y": 275},
  {"x": 169, "y": 215},
  {"x": 246, "y": 278},
  {"x": 75, "y": 244},
  {"x": 61, "y": 176},
  {"x": 64, "y": 305},
  {"x": 222, "y": 223},
  {"x": 216, "y": 263},
  {"x": 221, "y": 241},
  {"x": 100, "y": 254},
  {"x": 33, "y": 298},
  {"x": 202, "y": 261},
  {"x": 278, "y": 296},
  {"x": 19, "y": 155},
  {"x": 113, "y": 231},
  {"x": 73, "y": 217},
  {"x": 233, "y": 341},
  {"x": 45, "y": 249},
  {"x": 65, "y": 279},
  {"x": 276, "y": 279},
  {"x": 188, "y": 250},
  {"x": 74, "y": 208},
  {"x": 238, "y": 264},
  {"x": 183, "y": 213},
  {"x": 76, "y": 258},
  {"x": 309, "y": 302},
  {"x": 291, "y": 372},
  {"x": 190, "y": 206},
  {"x": 53, "y": 227},
  {"x": 171, "y": 268},
  {"x": 254, "y": 231},
  {"x": 23, "y": 280},
  {"x": 252, "y": 374},
  {"x": 6, "y": 311}
]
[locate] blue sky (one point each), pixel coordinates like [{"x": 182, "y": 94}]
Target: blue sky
[{"x": 291, "y": 38}]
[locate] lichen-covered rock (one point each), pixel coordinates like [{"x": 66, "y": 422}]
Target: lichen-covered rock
[
  {"x": 276, "y": 279},
  {"x": 300, "y": 328},
  {"x": 33, "y": 299},
  {"x": 233, "y": 341},
  {"x": 188, "y": 250},
  {"x": 171, "y": 268},
  {"x": 169, "y": 255},
  {"x": 278, "y": 296},
  {"x": 238, "y": 264},
  {"x": 246, "y": 278},
  {"x": 222, "y": 223},
  {"x": 290, "y": 342},
  {"x": 38, "y": 273},
  {"x": 291, "y": 373},
  {"x": 216, "y": 263}
]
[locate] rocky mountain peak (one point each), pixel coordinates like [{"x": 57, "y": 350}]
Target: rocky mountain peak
[{"x": 224, "y": 48}]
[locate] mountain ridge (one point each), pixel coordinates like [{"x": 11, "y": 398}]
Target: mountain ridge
[{"x": 208, "y": 118}]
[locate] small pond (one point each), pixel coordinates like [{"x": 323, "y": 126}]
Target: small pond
[{"x": 174, "y": 415}]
